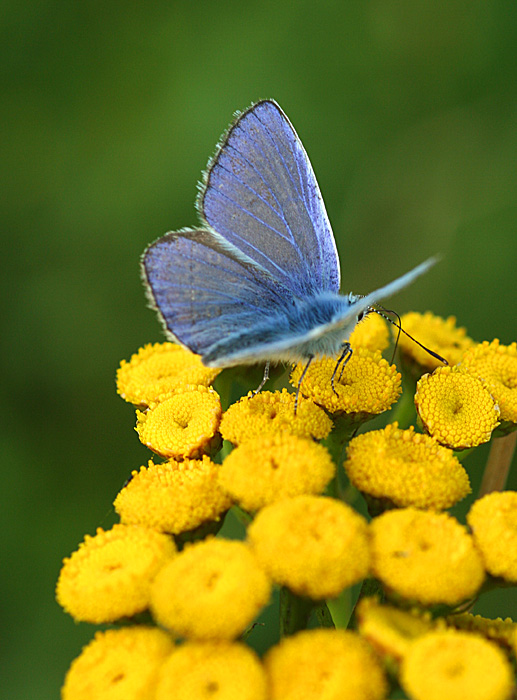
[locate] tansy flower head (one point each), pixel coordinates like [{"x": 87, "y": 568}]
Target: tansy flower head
[
  {"x": 174, "y": 496},
  {"x": 504, "y": 632},
  {"x": 324, "y": 664},
  {"x": 371, "y": 333},
  {"x": 220, "y": 670},
  {"x": 270, "y": 413},
  {"x": 266, "y": 469},
  {"x": 493, "y": 521},
  {"x": 496, "y": 364},
  {"x": 118, "y": 665},
  {"x": 160, "y": 369},
  {"x": 109, "y": 576},
  {"x": 439, "y": 334},
  {"x": 424, "y": 556},
  {"x": 389, "y": 630},
  {"x": 315, "y": 546},
  {"x": 406, "y": 468},
  {"x": 214, "y": 590},
  {"x": 456, "y": 408},
  {"x": 183, "y": 424},
  {"x": 367, "y": 386},
  {"x": 448, "y": 664}
]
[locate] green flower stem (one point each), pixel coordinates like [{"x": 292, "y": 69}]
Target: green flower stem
[
  {"x": 498, "y": 465},
  {"x": 344, "y": 430},
  {"x": 404, "y": 411},
  {"x": 294, "y": 612}
]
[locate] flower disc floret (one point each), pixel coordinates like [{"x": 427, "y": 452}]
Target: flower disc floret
[
  {"x": 271, "y": 413},
  {"x": 439, "y": 334},
  {"x": 315, "y": 546},
  {"x": 118, "y": 665},
  {"x": 496, "y": 364},
  {"x": 214, "y": 590},
  {"x": 266, "y": 469},
  {"x": 220, "y": 670},
  {"x": 173, "y": 496},
  {"x": 449, "y": 664},
  {"x": 425, "y": 557},
  {"x": 324, "y": 664},
  {"x": 368, "y": 384},
  {"x": 407, "y": 468},
  {"x": 160, "y": 369},
  {"x": 493, "y": 521},
  {"x": 181, "y": 425},
  {"x": 109, "y": 576},
  {"x": 456, "y": 408}
]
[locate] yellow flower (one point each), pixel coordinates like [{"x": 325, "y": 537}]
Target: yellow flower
[
  {"x": 214, "y": 590},
  {"x": 265, "y": 469},
  {"x": 160, "y": 369},
  {"x": 368, "y": 385},
  {"x": 269, "y": 413},
  {"x": 424, "y": 556},
  {"x": 504, "y": 632},
  {"x": 118, "y": 665},
  {"x": 371, "y": 333},
  {"x": 497, "y": 365},
  {"x": 438, "y": 334},
  {"x": 456, "y": 408},
  {"x": 109, "y": 576},
  {"x": 174, "y": 496},
  {"x": 493, "y": 521},
  {"x": 406, "y": 468},
  {"x": 448, "y": 664},
  {"x": 183, "y": 424},
  {"x": 389, "y": 630},
  {"x": 324, "y": 664},
  {"x": 316, "y": 546},
  {"x": 218, "y": 670}
]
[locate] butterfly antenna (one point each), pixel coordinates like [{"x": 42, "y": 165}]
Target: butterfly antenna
[{"x": 398, "y": 324}]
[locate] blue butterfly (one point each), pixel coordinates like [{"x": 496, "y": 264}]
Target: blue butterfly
[{"x": 259, "y": 280}]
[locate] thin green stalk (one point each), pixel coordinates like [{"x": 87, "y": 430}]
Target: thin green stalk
[
  {"x": 294, "y": 612},
  {"x": 498, "y": 464}
]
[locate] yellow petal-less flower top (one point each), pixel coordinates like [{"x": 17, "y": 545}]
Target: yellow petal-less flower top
[
  {"x": 367, "y": 384},
  {"x": 160, "y": 369},
  {"x": 456, "y": 408}
]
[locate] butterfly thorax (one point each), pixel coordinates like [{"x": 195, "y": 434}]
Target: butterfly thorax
[{"x": 314, "y": 327}]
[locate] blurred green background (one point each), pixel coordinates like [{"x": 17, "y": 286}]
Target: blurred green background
[{"x": 110, "y": 110}]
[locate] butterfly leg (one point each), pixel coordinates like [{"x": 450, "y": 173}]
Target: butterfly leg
[
  {"x": 311, "y": 358},
  {"x": 264, "y": 379},
  {"x": 346, "y": 354}
]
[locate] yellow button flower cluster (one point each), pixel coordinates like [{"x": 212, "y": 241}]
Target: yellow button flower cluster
[{"x": 276, "y": 505}]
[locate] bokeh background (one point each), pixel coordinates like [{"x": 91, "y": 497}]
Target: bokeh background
[{"x": 110, "y": 110}]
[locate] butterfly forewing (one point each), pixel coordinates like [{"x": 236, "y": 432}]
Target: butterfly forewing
[{"x": 261, "y": 195}]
